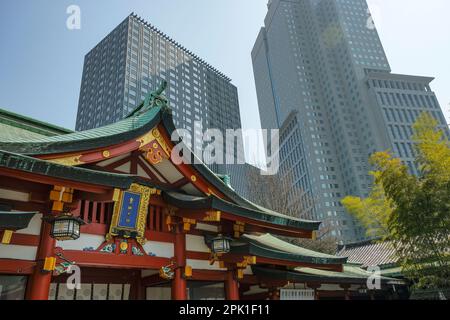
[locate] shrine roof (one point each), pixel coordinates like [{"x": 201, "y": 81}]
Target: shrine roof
[
  {"x": 14, "y": 127},
  {"x": 247, "y": 209},
  {"x": 116, "y": 133},
  {"x": 370, "y": 253},
  {"x": 19, "y": 154},
  {"x": 269, "y": 246},
  {"x": 78, "y": 174},
  {"x": 349, "y": 275}
]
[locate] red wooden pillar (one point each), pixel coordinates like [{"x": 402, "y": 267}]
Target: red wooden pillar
[
  {"x": 138, "y": 290},
  {"x": 179, "y": 282},
  {"x": 315, "y": 287},
  {"x": 39, "y": 285},
  {"x": 231, "y": 286}
]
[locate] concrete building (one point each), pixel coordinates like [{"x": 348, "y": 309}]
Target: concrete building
[
  {"x": 132, "y": 61},
  {"x": 323, "y": 78}
]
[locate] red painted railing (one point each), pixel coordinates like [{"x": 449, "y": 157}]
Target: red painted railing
[{"x": 100, "y": 213}]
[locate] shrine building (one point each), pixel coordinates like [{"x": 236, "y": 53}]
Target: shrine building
[{"x": 112, "y": 205}]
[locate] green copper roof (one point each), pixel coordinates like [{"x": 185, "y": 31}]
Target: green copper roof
[
  {"x": 14, "y": 127},
  {"x": 116, "y": 133},
  {"x": 269, "y": 246},
  {"x": 14, "y": 133},
  {"x": 214, "y": 203},
  {"x": 349, "y": 275},
  {"x": 395, "y": 272}
]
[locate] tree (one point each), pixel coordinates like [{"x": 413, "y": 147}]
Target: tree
[
  {"x": 413, "y": 211},
  {"x": 372, "y": 212},
  {"x": 279, "y": 193}
]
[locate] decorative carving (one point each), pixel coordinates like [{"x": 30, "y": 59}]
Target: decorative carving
[
  {"x": 106, "y": 154},
  {"x": 155, "y": 145},
  {"x": 155, "y": 154},
  {"x": 137, "y": 251},
  {"x": 167, "y": 272},
  {"x": 70, "y": 161},
  {"x": 123, "y": 247},
  {"x": 109, "y": 248}
]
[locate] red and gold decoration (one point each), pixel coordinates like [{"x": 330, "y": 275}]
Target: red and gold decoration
[{"x": 130, "y": 212}]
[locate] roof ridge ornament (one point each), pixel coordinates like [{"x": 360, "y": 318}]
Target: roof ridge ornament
[
  {"x": 156, "y": 98},
  {"x": 152, "y": 99}
]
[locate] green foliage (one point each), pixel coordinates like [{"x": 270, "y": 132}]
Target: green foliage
[
  {"x": 413, "y": 212},
  {"x": 372, "y": 212}
]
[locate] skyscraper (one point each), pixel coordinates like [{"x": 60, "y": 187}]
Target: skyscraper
[
  {"x": 323, "y": 78},
  {"x": 132, "y": 61}
]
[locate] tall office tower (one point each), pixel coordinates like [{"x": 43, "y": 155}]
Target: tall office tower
[
  {"x": 132, "y": 61},
  {"x": 322, "y": 78}
]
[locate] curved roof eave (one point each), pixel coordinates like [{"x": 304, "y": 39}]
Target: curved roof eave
[
  {"x": 214, "y": 203},
  {"x": 116, "y": 133},
  {"x": 321, "y": 276},
  {"x": 28, "y": 164},
  {"x": 301, "y": 255}
]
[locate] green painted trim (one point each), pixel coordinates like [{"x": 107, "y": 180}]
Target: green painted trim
[
  {"x": 41, "y": 167},
  {"x": 325, "y": 277},
  {"x": 214, "y": 203},
  {"x": 255, "y": 249}
]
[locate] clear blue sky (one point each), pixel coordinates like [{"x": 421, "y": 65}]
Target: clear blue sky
[{"x": 41, "y": 60}]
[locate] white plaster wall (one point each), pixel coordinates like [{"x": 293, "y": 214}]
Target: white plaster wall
[
  {"x": 14, "y": 195},
  {"x": 11, "y": 251},
  {"x": 196, "y": 243},
  {"x": 34, "y": 227},
  {"x": 84, "y": 241},
  {"x": 248, "y": 271},
  {"x": 160, "y": 249},
  {"x": 207, "y": 227}
]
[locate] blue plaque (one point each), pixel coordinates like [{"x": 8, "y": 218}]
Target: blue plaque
[
  {"x": 129, "y": 210},
  {"x": 130, "y": 213}
]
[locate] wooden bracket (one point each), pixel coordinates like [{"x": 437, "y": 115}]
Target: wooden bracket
[
  {"x": 187, "y": 223},
  {"x": 60, "y": 196},
  {"x": 238, "y": 229},
  {"x": 212, "y": 216}
]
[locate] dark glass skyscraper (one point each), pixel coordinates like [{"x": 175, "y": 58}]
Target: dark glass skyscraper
[
  {"x": 323, "y": 78},
  {"x": 132, "y": 61}
]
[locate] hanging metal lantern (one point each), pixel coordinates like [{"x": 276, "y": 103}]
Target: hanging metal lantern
[
  {"x": 221, "y": 244},
  {"x": 65, "y": 227}
]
